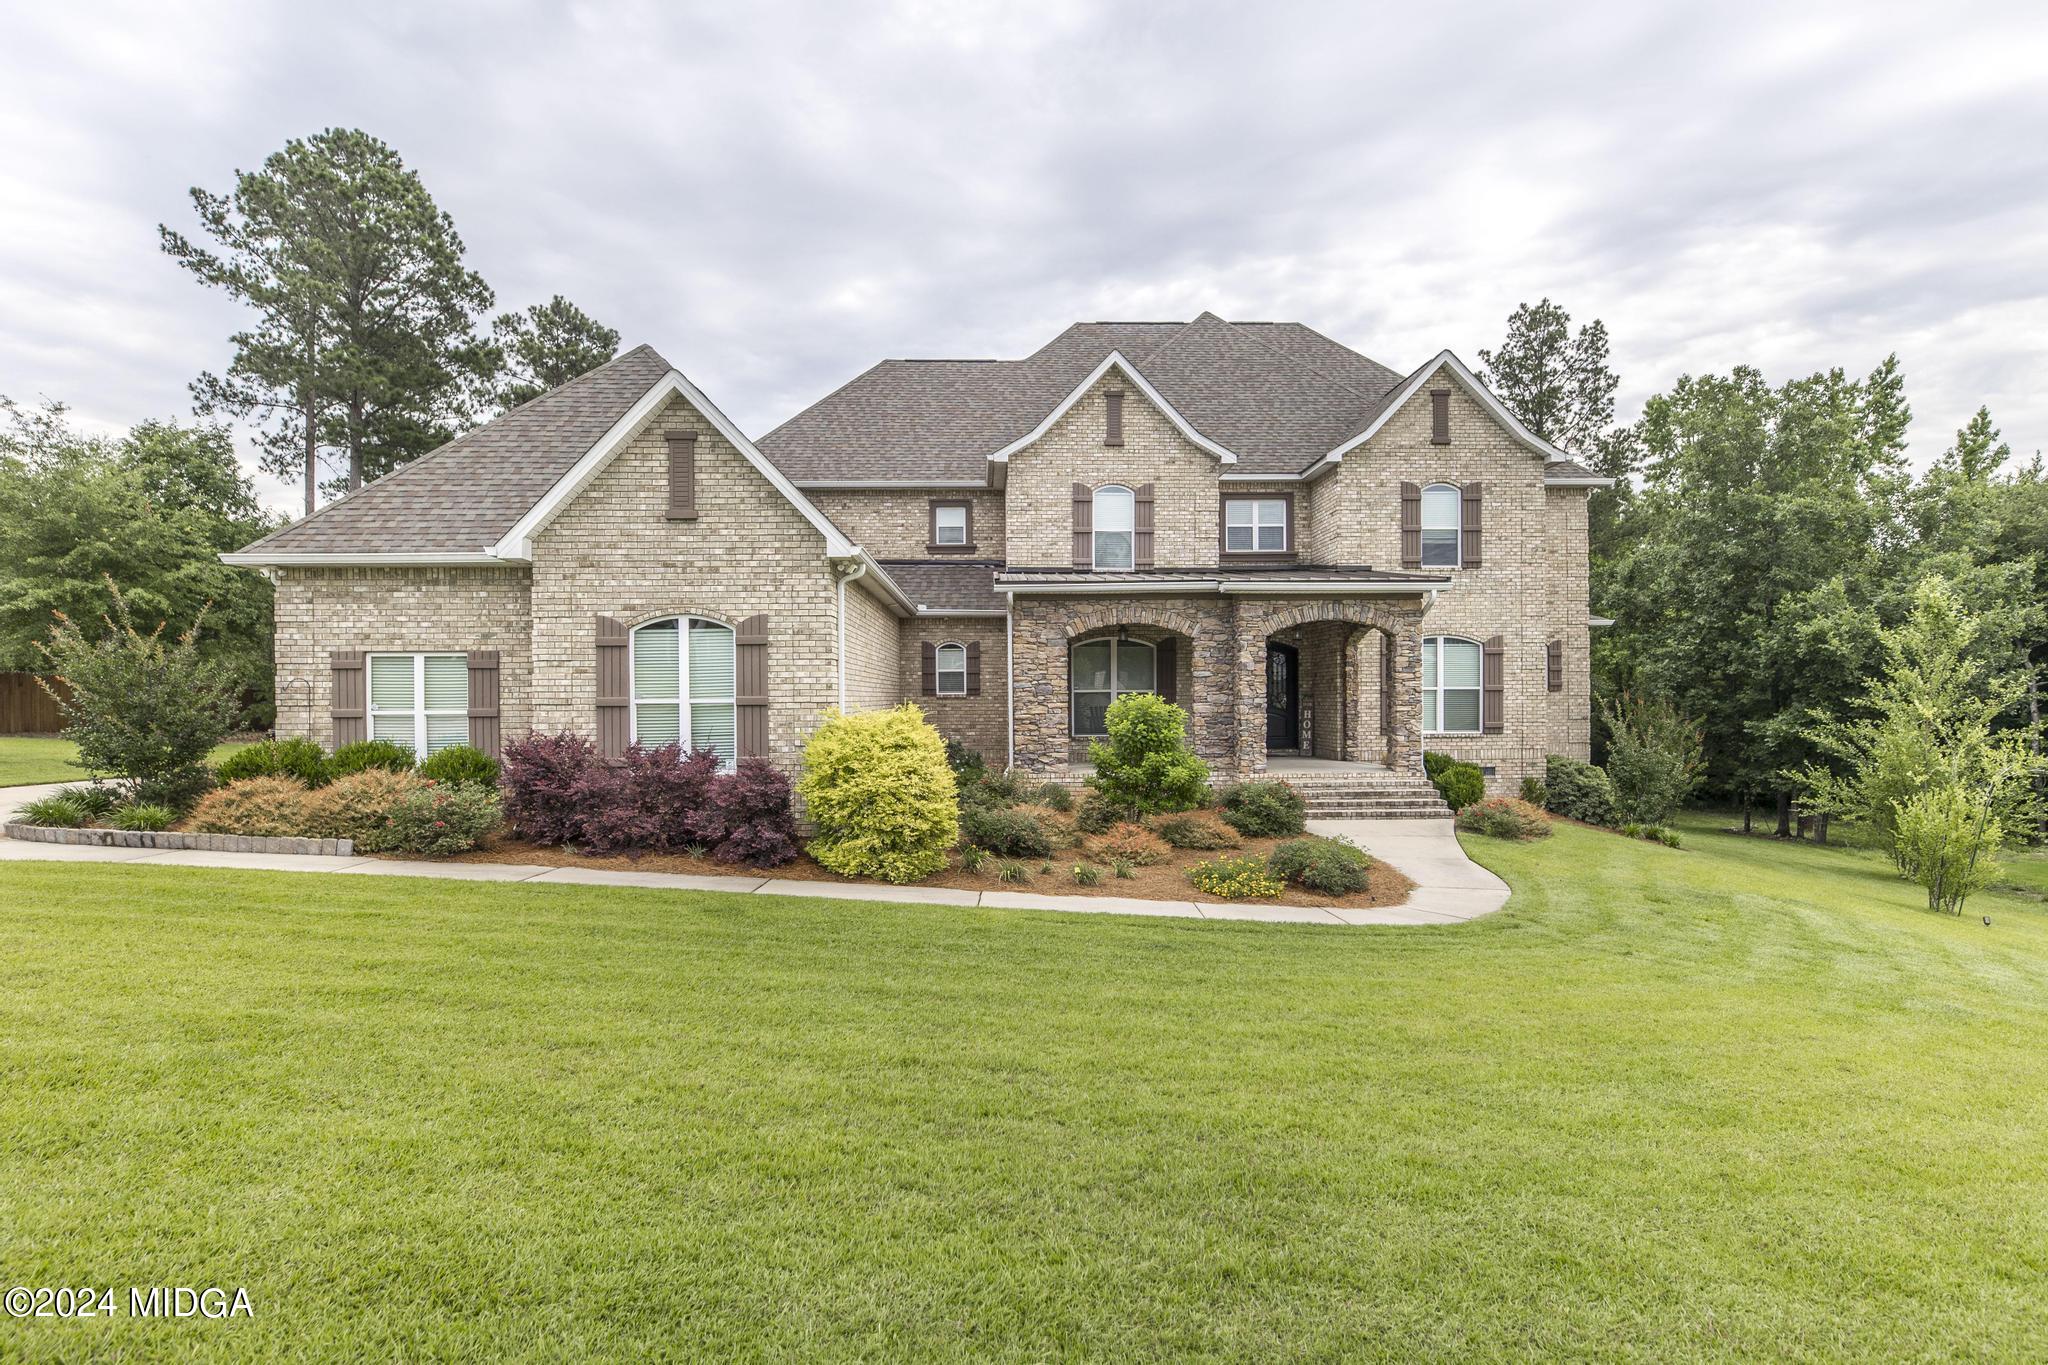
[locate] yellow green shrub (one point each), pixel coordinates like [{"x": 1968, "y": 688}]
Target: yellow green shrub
[{"x": 877, "y": 786}]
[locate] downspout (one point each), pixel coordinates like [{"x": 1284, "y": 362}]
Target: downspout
[
  {"x": 859, "y": 571},
  {"x": 1010, "y": 680}
]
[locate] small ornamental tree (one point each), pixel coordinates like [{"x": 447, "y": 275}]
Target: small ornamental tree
[
  {"x": 878, "y": 787},
  {"x": 1654, "y": 757},
  {"x": 1950, "y": 836},
  {"x": 141, "y": 709},
  {"x": 1146, "y": 764}
]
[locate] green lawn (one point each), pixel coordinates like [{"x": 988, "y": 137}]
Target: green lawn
[
  {"x": 29, "y": 759},
  {"x": 1739, "y": 1100}
]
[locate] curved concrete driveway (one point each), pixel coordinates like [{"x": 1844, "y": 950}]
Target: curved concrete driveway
[{"x": 1448, "y": 885}]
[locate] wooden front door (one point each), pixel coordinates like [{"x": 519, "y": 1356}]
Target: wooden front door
[{"x": 1283, "y": 696}]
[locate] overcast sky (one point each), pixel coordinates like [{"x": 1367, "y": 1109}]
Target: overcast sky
[{"x": 776, "y": 196}]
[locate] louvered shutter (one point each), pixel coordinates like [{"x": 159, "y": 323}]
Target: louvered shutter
[
  {"x": 1469, "y": 525},
  {"x": 483, "y": 701},
  {"x": 682, "y": 476},
  {"x": 974, "y": 668},
  {"x": 1492, "y": 699},
  {"x": 1411, "y": 526},
  {"x": 1084, "y": 526},
  {"x": 750, "y": 685},
  {"x": 1141, "y": 523},
  {"x": 1167, "y": 669},
  {"x": 930, "y": 654},
  {"x": 348, "y": 712},
  {"x": 1553, "y": 665},
  {"x": 614, "y": 687}
]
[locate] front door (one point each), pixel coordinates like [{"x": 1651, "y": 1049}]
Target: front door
[{"x": 1283, "y": 696}]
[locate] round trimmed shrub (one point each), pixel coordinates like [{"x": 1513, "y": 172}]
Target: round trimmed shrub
[
  {"x": 1503, "y": 817},
  {"x": 1334, "y": 867},
  {"x": 370, "y": 753},
  {"x": 461, "y": 763},
  {"x": 877, "y": 786},
  {"x": 1133, "y": 844},
  {"x": 300, "y": 758},
  {"x": 354, "y": 807},
  {"x": 1578, "y": 791},
  {"x": 1265, "y": 810},
  {"x": 1460, "y": 784},
  {"x": 272, "y": 807},
  {"x": 435, "y": 819}
]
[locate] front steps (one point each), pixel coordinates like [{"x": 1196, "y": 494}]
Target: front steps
[{"x": 1335, "y": 794}]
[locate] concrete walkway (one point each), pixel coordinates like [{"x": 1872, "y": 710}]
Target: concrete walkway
[{"x": 1449, "y": 886}]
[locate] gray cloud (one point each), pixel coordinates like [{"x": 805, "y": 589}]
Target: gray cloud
[{"x": 777, "y": 195}]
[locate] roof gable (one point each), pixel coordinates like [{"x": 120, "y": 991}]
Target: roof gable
[
  {"x": 1114, "y": 361},
  {"x": 1384, "y": 410}
]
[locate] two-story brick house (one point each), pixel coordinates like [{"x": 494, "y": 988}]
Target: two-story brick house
[{"x": 1325, "y": 562}]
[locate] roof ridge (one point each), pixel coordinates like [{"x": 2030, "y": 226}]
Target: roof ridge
[{"x": 1303, "y": 365}]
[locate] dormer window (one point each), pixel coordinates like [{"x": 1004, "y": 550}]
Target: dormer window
[
  {"x": 952, "y": 526},
  {"x": 1114, "y": 520},
  {"x": 1442, "y": 525}
]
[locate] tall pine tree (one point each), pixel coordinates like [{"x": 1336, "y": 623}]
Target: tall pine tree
[{"x": 545, "y": 347}]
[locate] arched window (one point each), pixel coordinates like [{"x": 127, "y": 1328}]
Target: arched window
[
  {"x": 1113, "y": 522},
  {"x": 1450, "y": 685},
  {"x": 952, "y": 670},
  {"x": 683, "y": 686},
  {"x": 1443, "y": 507},
  {"x": 1102, "y": 671}
]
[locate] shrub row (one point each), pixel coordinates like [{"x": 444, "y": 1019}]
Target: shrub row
[
  {"x": 381, "y": 810},
  {"x": 303, "y": 761}
]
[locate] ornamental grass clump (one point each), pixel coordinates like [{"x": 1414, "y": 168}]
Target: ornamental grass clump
[
  {"x": 1129, "y": 843},
  {"x": 878, "y": 788},
  {"x": 145, "y": 818},
  {"x": 1335, "y": 867},
  {"x": 1146, "y": 764},
  {"x": 268, "y": 807},
  {"x": 1235, "y": 879},
  {"x": 61, "y": 811}
]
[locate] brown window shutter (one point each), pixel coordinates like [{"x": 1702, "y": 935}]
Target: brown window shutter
[
  {"x": 1491, "y": 695},
  {"x": 349, "y": 711},
  {"x": 1411, "y": 526},
  {"x": 1553, "y": 665},
  {"x": 483, "y": 700},
  {"x": 682, "y": 476},
  {"x": 1469, "y": 525},
  {"x": 1440, "y": 417},
  {"x": 930, "y": 684},
  {"x": 1141, "y": 526},
  {"x": 974, "y": 668},
  {"x": 750, "y": 685},
  {"x": 1084, "y": 526},
  {"x": 614, "y": 687},
  {"x": 1166, "y": 663},
  {"x": 1113, "y": 431}
]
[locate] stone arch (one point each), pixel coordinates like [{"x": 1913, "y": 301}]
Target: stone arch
[
  {"x": 1346, "y": 609},
  {"x": 1080, "y": 620}
]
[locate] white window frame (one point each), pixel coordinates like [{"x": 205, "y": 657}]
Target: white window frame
[
  {"x": 939, "y": 528},
  {"x": 1114, "y": 690},
  {"x": 1096, "y": 530},
  {"x": 682, "y": 701},
  {"x": 939, "y": 670},
  {"x": 1433, "y": 644},
  {"x": 1257, "y": 523},
  {"x": 1456, "y": 528},
  {"x": 418, "y": 710}
]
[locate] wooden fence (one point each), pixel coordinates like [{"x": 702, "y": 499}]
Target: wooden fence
[{"x": 25, "y": 709}]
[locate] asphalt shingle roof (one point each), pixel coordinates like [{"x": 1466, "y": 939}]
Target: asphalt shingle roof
[{"x": 950, "y": 585}]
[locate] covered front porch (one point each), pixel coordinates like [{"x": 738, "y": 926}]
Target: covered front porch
[{"x": 1312, "y": 685}]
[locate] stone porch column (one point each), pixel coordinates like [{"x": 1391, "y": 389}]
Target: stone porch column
[
  {"x": 1404, "y": 737},
  {"x": 1248, "y": 687}
]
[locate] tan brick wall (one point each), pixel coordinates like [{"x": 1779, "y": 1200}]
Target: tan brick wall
[
  {"x": 981, "y": 722},
  {"x": 1042, "y": 476},
  {"x": 1530, "y": 588},
  {"x": 872, "y": 648},
  {"x": 1302, "y": 540},
  {"x": 320, "y": 611},
  {"x": 612, "y": 551},
  {"x": 895, "y": 523}
]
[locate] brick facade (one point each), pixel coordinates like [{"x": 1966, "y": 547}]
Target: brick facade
[
  {"x": 872, "y": 646},
  {"x": 891, "y": 523},
  {"x": 981, "y": 721}
]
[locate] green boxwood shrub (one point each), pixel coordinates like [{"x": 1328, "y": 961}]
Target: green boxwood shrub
[
  {"x": 369, "y": 753},
  {"x": 1146, "y": 764},
  {"x": 1503, "y": 817},
  {"x": 1460, "y": 784},
  {"x": 1334, "y": 867},
  {"x": 1202, "y": 832},
  {"x": 299, "y": 758},
  {"x": 1578, "y": 791},
  {"x": 1265, "y": 810},
  {"x": 1008, "y": 833},
  {"x": 878, "y": 788},
  {"x": 273, "y": 807},
  {"x": 460, "y": 763}
]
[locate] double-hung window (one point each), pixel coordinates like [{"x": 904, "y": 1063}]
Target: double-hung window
[
  {"x": 951, "y": 676},
  {"x": 1113, "y": 520},
  {"x": 1443, "y": 507},
  {"x": 949, "y": 525},
  {"x": 1104, "y": 670},
  {"x": 683, "y": 687},
  {"x": 1255, "y": 526},
  {"x": 420, "y": 700},
  {"x": 1450, "y": 685}
]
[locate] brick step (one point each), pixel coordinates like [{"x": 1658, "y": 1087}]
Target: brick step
[{"x": 1418, "y": 811}]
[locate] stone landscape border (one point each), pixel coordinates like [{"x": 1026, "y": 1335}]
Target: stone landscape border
[{"x": 170, "y": 839}]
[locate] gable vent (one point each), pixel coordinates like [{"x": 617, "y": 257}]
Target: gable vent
[
  {"x": 1113, "y": 434},
  {"x": 1440, "y": 417}
]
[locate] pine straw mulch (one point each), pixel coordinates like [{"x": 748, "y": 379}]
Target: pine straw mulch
[{"x": 1164, "y": 881}]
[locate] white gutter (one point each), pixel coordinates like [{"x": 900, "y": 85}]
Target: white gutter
[
  {"x": 1590, "y": 481},
  {"x": 1189, "y": 587},
  {"x": 880, "y": 485},
  {"x": 925, "y": 611},
  {"x": 258, "y": 559},
  {"x": 859, "y": 571}
]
